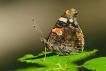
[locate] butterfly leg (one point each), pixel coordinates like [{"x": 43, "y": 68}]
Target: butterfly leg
[
  {"x": 45, "y": 53},
  {"x": 44, "y": 41}
]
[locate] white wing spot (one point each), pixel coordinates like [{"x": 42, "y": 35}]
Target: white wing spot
[
  {"x": 71, "y": 20},
  {"x": 63, "y": 19},
  {"x": 60, "y": 33}
]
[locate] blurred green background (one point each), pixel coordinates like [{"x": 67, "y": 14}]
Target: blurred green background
[{"x": 18, "y": 37}]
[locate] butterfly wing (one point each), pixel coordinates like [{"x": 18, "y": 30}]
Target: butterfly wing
[{"x": 66, "y": 36}]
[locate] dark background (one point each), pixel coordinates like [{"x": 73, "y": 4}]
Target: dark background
[{"x": 18, "y": 37}]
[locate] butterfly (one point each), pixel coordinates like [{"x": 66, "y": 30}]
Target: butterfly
[{"x": 66, "y": 35}]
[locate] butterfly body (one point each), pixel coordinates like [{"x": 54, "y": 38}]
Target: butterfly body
[{"x": 66, "y": 35}]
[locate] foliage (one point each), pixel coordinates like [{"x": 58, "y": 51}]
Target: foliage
[
  {"x": 96, "y": 64},
  {"x": 55, "y": 62}
]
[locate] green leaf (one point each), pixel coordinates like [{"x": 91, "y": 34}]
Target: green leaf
[
  {"x": 78, "y": 56},
  {"x": 73, "y": 68},
  {"x": 56, "y": 62},
  {"x": 96, "y": 64},
  {"x": 27, "y": 69}
]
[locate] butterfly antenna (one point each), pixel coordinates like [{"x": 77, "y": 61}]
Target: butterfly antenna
[
  {"x": 39, "y": 31},
  {"x": 37, "y": 28}
]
